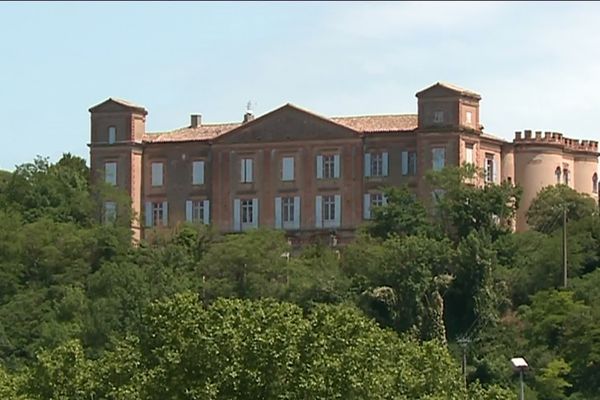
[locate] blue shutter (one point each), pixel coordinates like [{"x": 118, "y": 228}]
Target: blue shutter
[
  {"x": 336, "y": 166},
  {"x": 319, "y": 167},
  {"x": 165, "y": 213},
  {"x": 297, "y": 212},
  {"x": 405, "y": 163},
  {"x": 338, "y": 210},
  {"x": 206, "y": 211},
  {"x": 237, "y": 226},
  {"x": 148, "y": 213},
  {"x": 385, "y": 163},
  {"x": 278, "y": 224},
  {"x": 242, "y": 170},
  {"x": 495, "y": 171},
  {"x": 255, "y": 213},
  {"x": 188, "y": 211},
  {"x": 367, "y": 206},
  {"x": 198, "y": 173},
  {"x": 249, "y": 172},
  {"x": 367, "y": 164},
  {"x": 319, "y": 212}
]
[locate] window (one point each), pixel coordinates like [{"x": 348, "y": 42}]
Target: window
[
  {"x": 595, "y": 183},
  {"x": 566, "y": 176},
  {"x": 197, "y": 211},
  {"x": 438, "y": 155},
  {"x": 287, "y": 212},
  {"x": 110, "y": 212},
  {"x": 246, "y": 170},
  {"x": 438, "y": 117},
  {"x": 110, "y": 173},
  {"x": 157, "y": 213},
  {"x": 247, "y": 214},
  {"x": 112, "y": 134},
  {"x": 490, "y": 168},
  {"x": 469, "y": 154},
  {"x": 469, "y": 117},
  {"x": 198, "y": 173},
  {"x": 287, "y": 204},
  {"x": 328, "y": 209},
  {"x": 376, "y": 200},
  {"x": 409, "y": 163},
  {"x": 328, "y": 166},
  {"x": 157, "y": 174},
  {"x": 287, "y": 169},
  {"x": 558, "y": 174},
  {"x": 376, "y": 164},
  {"x": 372, "y": 200}
]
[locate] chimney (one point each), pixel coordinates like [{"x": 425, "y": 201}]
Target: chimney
[
  {"x": 196, "y": 120},
  {"x": 248, "y": 116}
]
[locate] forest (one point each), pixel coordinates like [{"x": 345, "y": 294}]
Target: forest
[{"x": 194, "y": 314}]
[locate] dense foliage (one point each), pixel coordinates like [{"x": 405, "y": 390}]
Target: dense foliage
[{"x": 192, "y": 314}]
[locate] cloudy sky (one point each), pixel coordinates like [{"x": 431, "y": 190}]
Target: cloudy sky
[{"x": 536, "y": 65}]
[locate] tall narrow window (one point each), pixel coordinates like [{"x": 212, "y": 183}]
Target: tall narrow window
[
  {"x": 469, "y": 117},
  {"x": 328, "y": 167},
  {"x": 328, "y": 209},
  {"x": 490, "y": 166},
  {"x": 287, "y": 169},
  {"x": 247, "y": 212},
  {"x": 110, "y": 173},
  {"x": 412, "y": 163},
  {"x": 566, "y": 176},
  {"x": 157, "y": 174},
  {"x": 246, "y": 173},
  {"x": 558, "y": 173},
  {"x": 287, "y": 205},
  {"x": 112, "y": 134},
  {"x": 469, "y": 154},
  {"x": 438, "y": 158},
  {"x": 198, "y": 173},
  {"x": 158, "y": 214},
  {"x": 110, "y": 212},
  {"x": 595, "y": 183}
]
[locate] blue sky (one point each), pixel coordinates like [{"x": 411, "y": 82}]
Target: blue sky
[{"x": 536, "y": 65}]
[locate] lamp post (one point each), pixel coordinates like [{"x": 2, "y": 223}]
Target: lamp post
[{"x": 519, "y": 364}]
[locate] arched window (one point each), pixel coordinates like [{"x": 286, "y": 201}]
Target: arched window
[
  {"x": 595, "y": 183},
  {"x": 558, "y": 173},
  {"x": 566, "y": 176}
]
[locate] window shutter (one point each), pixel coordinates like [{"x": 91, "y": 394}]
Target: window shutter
[
  {"x": 367, "y": 206},
  {"x": 405, "y": 163},
  {"x": 385, "y": 163},
  {"x": 157, "y": 174},
  {"x": 236, "y": 215},
  {"x": 367, "y": 164},
  {"x": 249, "y": 172},
  {"x": 336, "y": 166},
  {"x": 198, "y": 173},
  {"x": 318, "y": 212},
  {"x": 338, "y": 210},
  {"x": 414, "y": 163},
  {"x": 243, "y": 170},
  {"x": 148, "y": 213},
  {"x": 165, "y": 213},
  {"x": 296, "y": 212},
  {"x": 278, "y": 224},
  {"x": 255, "y": 213},
  {"x": 319, "y": 167},
  {"x": 188, "y": 210},
  {"x": 288, "y": 169},
  {"x": 495, "y": 171},
  {"x": 206, "y": 216}
]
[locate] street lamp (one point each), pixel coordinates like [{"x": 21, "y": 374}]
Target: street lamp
[{"x": 519, "y": 364}]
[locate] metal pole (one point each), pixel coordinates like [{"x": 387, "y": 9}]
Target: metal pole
[
  {"x": 565, "y": 247},
  {"x": 522, "y": 387},
  {"x": 464, "y": 365}
]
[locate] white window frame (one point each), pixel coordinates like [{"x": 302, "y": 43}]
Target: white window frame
[
  {"x": 246, "y": 170},
  {"x": 329, "y": 211},
  {"x": 158, "y": 214},
  {"x": 438, "y": 117},
  {"x": 247, "y": 213},
  {"x": 489, "y": 166},
  {"x": 157, "y": 172},
  {"x": 328, "y": 166},
  {"x": 438, "y": 158},
  {"x": 110, "y": 173},
  {"x": 198, "y": 168},
  {"x": 287, "y": 168},
  {"x": 287, "y": 210},
  {"x": 112, "y": 134},
  {"x": 469, "y": 153}
]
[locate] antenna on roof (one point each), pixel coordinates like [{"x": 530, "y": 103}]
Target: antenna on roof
[{"x": 249, "y": 106}]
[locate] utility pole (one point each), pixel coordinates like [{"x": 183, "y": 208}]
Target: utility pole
[
  {"x": 464, "y": 342},
  {"x": 565, "y": 246}
]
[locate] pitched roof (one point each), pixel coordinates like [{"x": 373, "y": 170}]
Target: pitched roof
[
  {"x": 379, "y": 123},
  {"x": 121, "y": 102},
  {"x": 188, "y": 134},
  {"x": 454, "y": 88}
]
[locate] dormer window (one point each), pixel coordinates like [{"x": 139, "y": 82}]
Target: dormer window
[
  {"x": 112, "y": 134},
  {"x": 438, "y": 117}
]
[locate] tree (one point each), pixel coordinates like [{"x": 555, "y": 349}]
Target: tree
[{"x": 546, "y": 210}]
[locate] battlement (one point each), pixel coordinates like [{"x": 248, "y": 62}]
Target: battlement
[{"x": 555, "y": 138}]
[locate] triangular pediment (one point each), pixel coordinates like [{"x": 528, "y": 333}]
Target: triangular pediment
[
  {"x": 442, "y": 89},
  {"x": 287, "y": 123},
  {"x": 117, "y": 105}
]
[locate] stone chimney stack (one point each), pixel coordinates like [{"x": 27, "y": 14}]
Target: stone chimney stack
[
  {"x": 249, "y": 115},
  {"x": 196, "y": 120}
]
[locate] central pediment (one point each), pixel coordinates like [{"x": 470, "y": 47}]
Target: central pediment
[{"x": 287, "y": 123}]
